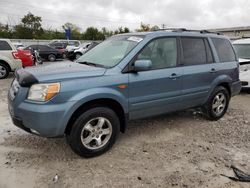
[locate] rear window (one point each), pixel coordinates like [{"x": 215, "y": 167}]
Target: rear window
[
  {"x": 224, "y": 50},
  {"x": 194, "y": 51},
  {"x": 4, "y": 46}
]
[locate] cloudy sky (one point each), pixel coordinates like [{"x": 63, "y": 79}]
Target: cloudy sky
[{"x": 195, "y": 14}]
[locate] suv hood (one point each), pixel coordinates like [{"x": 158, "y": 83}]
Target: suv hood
[{"x": 56, "y": 72}]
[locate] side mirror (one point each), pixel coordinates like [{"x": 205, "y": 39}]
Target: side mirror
[{"x": 142, "y": 65}]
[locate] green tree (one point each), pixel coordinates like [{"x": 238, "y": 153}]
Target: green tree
[
  {"x": 30, "y": 27},
  {"x": 121, "y": 30},
  {"x": 93, "y": 33},
  {"x": 143, "y": 27},
  {"x": 5, "y": 31}
]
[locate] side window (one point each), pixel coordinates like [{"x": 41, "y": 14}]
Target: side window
[
  {"x": 162, "y": 52},
  {"x": 4, "y": 46},
  {"x": 43, "y": 48},
  {"x": 193, "y": 51},
  {"x": 224, "y": 50}
]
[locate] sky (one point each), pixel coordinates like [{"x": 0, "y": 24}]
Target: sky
[{"x": 191, "y": 14}]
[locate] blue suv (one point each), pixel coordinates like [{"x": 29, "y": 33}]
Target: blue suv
[{"x": 126, "y": 77}]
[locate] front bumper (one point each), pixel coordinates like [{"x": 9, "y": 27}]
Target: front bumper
[{"x": 47, "y": 120}]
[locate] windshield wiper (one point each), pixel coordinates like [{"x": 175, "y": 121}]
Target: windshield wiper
[{"x": 91, "y": 64}]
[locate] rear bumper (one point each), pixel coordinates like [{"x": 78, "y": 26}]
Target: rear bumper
[{"x": 235, "y": 88}]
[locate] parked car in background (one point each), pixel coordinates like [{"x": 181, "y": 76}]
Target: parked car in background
[
  {"x": 83, "y": 49},
  {"x": 127, "y": 77},
  {"x": 46, "y": 52},
  {"x": 75, "y": 53},
  {"x": 242, "y": 48},
  {"x": 26, "y": 57},
  {"x": 61, "y": 46},
  {"x": 9, "y": 58}
]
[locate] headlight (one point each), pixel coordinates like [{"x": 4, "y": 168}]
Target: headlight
[{"x": 43, "y": 92}]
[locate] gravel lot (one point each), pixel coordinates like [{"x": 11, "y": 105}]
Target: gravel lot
[{"x": 176, "y": 150}]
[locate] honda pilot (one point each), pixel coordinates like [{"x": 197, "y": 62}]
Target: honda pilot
[{"x": 126, "y": 77}]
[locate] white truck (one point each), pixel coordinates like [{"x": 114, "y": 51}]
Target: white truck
[{"x": 9, "y": 60}]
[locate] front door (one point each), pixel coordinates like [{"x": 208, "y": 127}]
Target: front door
[{"x": 158, "y": 90}]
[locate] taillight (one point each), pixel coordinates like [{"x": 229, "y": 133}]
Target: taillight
[{"x": 15, "y": 55}]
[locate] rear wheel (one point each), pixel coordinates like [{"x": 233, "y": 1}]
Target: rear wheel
[
  {"x": 94, "y": 132},
  {"x": 51, "y": 57},
  {"x": 217, "y": 103},
  {"x": 4, "y": 71}
]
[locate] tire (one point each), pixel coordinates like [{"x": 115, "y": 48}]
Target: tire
[
  {"x": 51, "y": 57},
  {"x": 87, "y": 139},
  {"x": 78, "y": 55},
  {"x": 217, "y": 104},
  {"x": 4, "y": 71}
]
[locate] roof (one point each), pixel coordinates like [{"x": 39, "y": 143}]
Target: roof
[{"x": 176, "y": 32}]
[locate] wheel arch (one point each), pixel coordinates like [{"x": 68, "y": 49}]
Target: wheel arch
[
  {"x": 105, "y": 102},
  {"x": 5, "y": 63}
]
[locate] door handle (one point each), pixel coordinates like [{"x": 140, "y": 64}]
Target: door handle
[
  {"x": 174, "y": 76},
  {"x": 213, "y": 70}
]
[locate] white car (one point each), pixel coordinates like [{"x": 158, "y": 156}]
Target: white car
[
  {"x": 81, "y": 50},
  {"x": 242, "y": 48},
  {"x": 9, "y": 60}
]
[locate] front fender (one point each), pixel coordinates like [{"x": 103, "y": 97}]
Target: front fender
[{"x": 101, "y": 93}]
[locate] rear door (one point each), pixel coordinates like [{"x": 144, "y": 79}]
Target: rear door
[
  {"x": 158, "y": 90},
  {"x": 227, "y": 61},
  {"x": 44, "y": 51},
  {"x": 198, "y": 70}
]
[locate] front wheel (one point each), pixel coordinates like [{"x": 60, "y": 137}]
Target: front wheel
[
  {"x": 217, "y": 104},
  {"x": 94, "y": 132},
  {"x": 78, "y": 55}
]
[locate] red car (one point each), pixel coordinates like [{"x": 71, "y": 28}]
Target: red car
[{"x": 26, "y": 57}]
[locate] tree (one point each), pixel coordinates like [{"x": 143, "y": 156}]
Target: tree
[
  {"x": 5, "y": 31},
  {"x": 143, "y": 27},
  {"x": 30, "y": 27},
  {"x": 93, "y": 33},
  {"x": 147, "y": 27},
  {"x": 121, "y": 30}
]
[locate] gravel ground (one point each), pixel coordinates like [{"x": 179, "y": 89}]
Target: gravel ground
[{"x": 176, "y": 150}]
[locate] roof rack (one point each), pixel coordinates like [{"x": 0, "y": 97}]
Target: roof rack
[{"x": 188, "y": 30}]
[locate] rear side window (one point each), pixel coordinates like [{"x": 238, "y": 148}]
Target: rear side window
[
  {"x": 224, "y": 50},
  {"x": 4, "y": 46},
  {"x": 193, "y": 51}
]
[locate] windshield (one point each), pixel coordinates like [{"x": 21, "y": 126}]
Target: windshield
[
  {"x": 242, "y": 50},
  {"x": 110, "y": 52}
]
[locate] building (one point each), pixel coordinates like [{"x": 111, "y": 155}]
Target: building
[{"x": 234, "y": 32}]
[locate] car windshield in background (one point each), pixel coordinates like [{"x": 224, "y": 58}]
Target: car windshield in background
[
  {"x": 110, "y": 52},
  {"x": 242, "y": 50}
]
